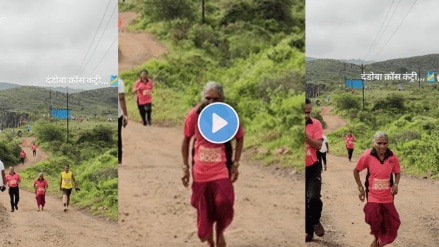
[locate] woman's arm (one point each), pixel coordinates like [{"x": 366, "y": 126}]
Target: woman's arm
[{"x": 362, "y": 193}]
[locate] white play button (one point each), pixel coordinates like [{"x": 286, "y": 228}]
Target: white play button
[{"x": 217, "y": 123}]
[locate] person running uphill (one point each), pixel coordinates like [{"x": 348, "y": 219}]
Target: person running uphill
[
  {"x": 22, "y": 156},
  {"x": 13, "y": 180},
  {"x": 212, "y": 189},
  {"x": 40, "y": 185},
  {"x": 34, "y": 150},
  {"x": 65, "y": 185},
  {"x": 313, "y": 175},
  {"x": 349, "y": 140},
  {"x": 144, "y": 87},
  {"x": 380, "y": 212}
]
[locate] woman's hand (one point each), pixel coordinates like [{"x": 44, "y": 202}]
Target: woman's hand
[
  {"x": 186, "y": 177},
  {"x": 395, "y": 189},
  {"x": 362, "y": 194},
  {"x": 234, "y": 174}
]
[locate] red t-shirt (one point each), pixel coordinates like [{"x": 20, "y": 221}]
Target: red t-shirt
[
  {"x": 379, "y": 178},
  {"x": 350, "y": 141},
  {"x": 315, "y": 131},
  {"x": 142, "y": 98},
  {"x": 13, "y": 180},
  {"x": 40, "y": 186},
  {"x": 210, "y": 158},
  {"x": 34, "y": 147},
  {"x": 23, "y": 155}
]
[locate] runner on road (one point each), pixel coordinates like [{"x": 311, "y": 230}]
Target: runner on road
[
  {"x": 65, "y": 185},
  {"x": 40, "y": 185},
  {"x": 22, "y": 156},
  {"x": 13, "y": 180}
]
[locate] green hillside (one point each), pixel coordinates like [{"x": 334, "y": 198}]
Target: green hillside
[
  {"x": 255, "y": 48},
  {"x": 35, "y": 101},
  {"x": 409, "y": 116}
]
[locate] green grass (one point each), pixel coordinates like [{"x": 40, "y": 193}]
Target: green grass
[{"x": 96, "y": 171}]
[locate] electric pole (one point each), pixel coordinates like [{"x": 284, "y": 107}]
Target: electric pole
[
  {"x": 67, "y": 112},
  {"x": 362, "y": 72}
]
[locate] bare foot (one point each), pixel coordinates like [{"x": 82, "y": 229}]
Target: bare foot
[
  {"x": 221, "y": 241},
  {"x": 209, "y": 240}
]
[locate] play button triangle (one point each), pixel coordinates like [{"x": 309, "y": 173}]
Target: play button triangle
[{"x": 217, "y": 123}]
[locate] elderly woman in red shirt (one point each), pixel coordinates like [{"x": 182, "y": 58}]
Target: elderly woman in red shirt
[
  {"x": 213, "y": 171},
  {"x": 380, "y": 212},
  {"x": 40, "y": 185}
]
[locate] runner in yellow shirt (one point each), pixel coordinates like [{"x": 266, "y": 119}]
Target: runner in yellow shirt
[{"x": 65, "y": 185}]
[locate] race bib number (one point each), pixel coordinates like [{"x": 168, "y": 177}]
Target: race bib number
[
  {"x": 41, "y": 190},
  {"x": 209, "y": 154},
  {"x": 380, "y": 184},
  {"x": 66, "y": 180},
  {"x": 13, "y": 182}
]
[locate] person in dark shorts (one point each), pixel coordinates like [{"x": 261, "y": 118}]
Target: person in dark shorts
[{"x": 65, "y": 185}]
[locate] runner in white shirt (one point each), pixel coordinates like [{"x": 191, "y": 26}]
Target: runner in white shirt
[
  {"x": 322, "y": 152},
  {"x": 3, "y": 182}
]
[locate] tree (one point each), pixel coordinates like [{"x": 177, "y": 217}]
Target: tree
[{"x": 167, "y": 10}]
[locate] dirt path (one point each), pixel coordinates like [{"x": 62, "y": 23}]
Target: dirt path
[
  {"x": 136, "y": 48},
  {"x": 154, "y": 207},
  {"x": 52, "y": 227},
  {"x": 343, "y": 215},
  {"x": 155, "y": 210}
]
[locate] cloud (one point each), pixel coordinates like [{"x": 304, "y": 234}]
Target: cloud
[
  {"x": 349, "y": 29},
  {"x": 42, "y": 38}
]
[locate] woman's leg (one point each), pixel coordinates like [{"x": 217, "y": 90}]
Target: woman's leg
[
  {"x": 148, "y": 110},
  {"x": 201, "y": 201},
  {"x": 119, "y": 140},
  {"x": 142, "y": 113},
  {"x": 224, "y": 200},
  {"x": 11, "y": 196}
]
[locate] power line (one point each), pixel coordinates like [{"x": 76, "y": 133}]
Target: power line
[
  {"x": 105, "y": 54},
  {"x": 391, "y": 17},
  {"x": 100, "y": 38},
  {"x": 100, "y": 23},
  {"x": 411, "y": 7},
  {"x": 376, "y": 37}
]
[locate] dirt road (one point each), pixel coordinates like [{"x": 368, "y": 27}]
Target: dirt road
[
  {"x": 154, "y": 207},
  {"x": 343, "y": 216},
  {"x": 52, "y": 227},
  {"x": 136, "y": 48}
]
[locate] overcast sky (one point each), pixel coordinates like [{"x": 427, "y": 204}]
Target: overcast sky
[
  {"x": 350, "y": 29},
  {"x": 51, "y": 38}
]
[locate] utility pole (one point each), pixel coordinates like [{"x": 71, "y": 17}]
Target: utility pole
[
  {"x": 362, "y": 72},
  {"x": 67, "y": 112}
]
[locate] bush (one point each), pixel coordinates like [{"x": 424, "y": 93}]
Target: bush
[
  {"x": 347, "y": 102},
  {"x": 50, "y": 133},
  {"x": 100, "y": 134}
]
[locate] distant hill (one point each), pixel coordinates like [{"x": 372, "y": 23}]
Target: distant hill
[
  {"x": 5, "y": 85},
  {"x": 335, "y": 71},
  {"x": 353, "y": 61},
  {"x": 63, "y": 89},
  {"x": 37, "y": 100}
]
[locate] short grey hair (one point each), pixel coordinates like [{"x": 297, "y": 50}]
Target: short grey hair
[
  {"x": 41, "y": 174},
  {"x": 380, "y": 134},
  {"x": 212, "y": 85}
]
